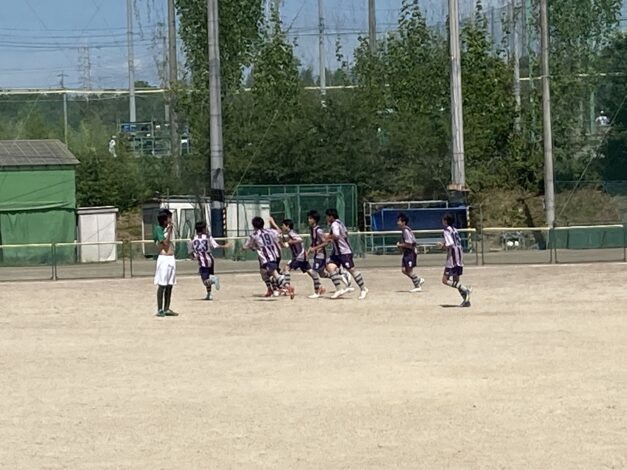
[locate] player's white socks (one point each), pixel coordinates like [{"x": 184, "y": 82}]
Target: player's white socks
[
  {"x": 336, "y": 277},
  {"x": 316, "y": 280},
  {"x": 415, "y": 279}
]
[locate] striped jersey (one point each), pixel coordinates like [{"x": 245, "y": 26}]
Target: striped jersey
[
  {"x": 266, "y": 244},
  {"x": 200, "y": 248},
  {"x": 317, "y": 238},
  {"x": 298, "y": 248},
  {"x": 407, "y": 237},
  {"x": 341, "y": 246},
  {"x": 454, "y": 249}
]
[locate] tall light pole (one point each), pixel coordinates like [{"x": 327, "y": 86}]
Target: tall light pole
[
  {"x": 215, "y": 122},
  {"x": 131, "y": 62},
  {"x": 372, "y": 25},
  {"x": 458, "y": 174},
  {"x": 549, "y": 189},
  {"x": 172, "y": 78},
  {"x": 321, "y": 49}
]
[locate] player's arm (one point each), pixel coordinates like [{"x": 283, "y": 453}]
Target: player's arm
[
  {"x": 215, "y": 245},
  {"x": 274, "y": 225},
  {"x": 250, "y": 244},
  {"x": 448, "y": 241}
]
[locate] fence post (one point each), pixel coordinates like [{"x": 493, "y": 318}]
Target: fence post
[
  {"x": 130, "y": 257},
  {"x": 552, "y": 247},
  {"x": 624, "y": 243},
  {"x": 123, "y": 246},
  {"x": 482, "y": 247},
  {"x": 477, "y": 247},
  {"x": 54, "y": 261}
]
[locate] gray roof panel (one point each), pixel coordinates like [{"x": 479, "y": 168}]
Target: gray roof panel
[{"x": 35, "y": 153}]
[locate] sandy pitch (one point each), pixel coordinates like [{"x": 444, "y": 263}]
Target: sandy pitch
[{"x": 533, "y": 376}]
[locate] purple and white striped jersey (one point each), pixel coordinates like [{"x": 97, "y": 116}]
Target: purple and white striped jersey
[
  {"x": 266, "y": 244},
  {"x": 341, "y": 246},
  {"x": 407, "y": 237},
  {"x": 317, "y": 238},
  {"x": 454, "y": 249},
  {"x": 298, "y": 249},
  {"x": 200, "y": 247}
]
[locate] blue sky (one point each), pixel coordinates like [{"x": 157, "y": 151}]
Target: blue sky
[{"x": 39, "y": 39}]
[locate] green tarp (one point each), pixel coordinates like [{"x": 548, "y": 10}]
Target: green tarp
[
  {"x": 36, "y": 206},
  {"x": 589, "y": 238}
]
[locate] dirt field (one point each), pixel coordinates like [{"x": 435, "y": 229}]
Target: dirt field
[{"x": 533, "y": 376}]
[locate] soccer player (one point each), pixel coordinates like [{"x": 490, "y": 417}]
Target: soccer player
[
  {"x": 200, "y": 249},
  {"x": 454, "y": 259},
  {"x": 266, "y": 244},
  {"x": 294, "y": 242},
  {"x": 341, "y": 256},
  {"x": 407, "y": 245},
  {"x": 165, "y": 274}
]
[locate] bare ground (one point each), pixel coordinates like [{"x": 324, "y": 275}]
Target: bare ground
[{"x": 532, "y": 376}]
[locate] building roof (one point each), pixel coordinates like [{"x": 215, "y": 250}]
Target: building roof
[{"x": 35, "y": 153}]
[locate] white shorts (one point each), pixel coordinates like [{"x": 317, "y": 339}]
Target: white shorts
[{"x": 165, "y": 275}]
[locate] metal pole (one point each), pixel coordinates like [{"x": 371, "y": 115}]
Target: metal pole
[
  {"x": 516, "y": 56},
  {"x": 457, "y": 117},
  {"x": 65, "y": 127},
  {"x": 172, "y": 78},
  {"x": 549, "y": 190},
  {"x": 215, "y": 118},
  {"x": 321, "y": 51},
  {"x": 372, "y": 25},
  {"x": 131, "y": 62}
]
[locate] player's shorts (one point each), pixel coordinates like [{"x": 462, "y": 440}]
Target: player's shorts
[
  {"x": 303, "y": 265},
  {"x": 271, "y": 266},
  {"x": 319, "y": 264},
  {"x": 165, "y": 274},
  {"x": 345, "y": 261},
  {"x": 206, "y": 272},
  {"x": 409, "y": 260},
  {"x": 454, "y": 272}
]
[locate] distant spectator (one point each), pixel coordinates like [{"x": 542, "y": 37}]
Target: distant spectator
[
  {"x": 112, "y": 145},
  {"x": 602, "y": 120}
]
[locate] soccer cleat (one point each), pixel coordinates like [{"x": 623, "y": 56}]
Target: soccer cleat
[
  {"x": 466, "y": 297},
  {"x": 269, "y": 293},
  {"x": 363, "y": 294},
  {"x": 215, "y": 280},
  {"x": 160, "y": 313},
  {"x": 339, "y": 293},
  {"x": 346, "y": 279},
  {"x": 209, "y": 296},
  {"x": 419, "y": 288},
  {"x": 291, "y": 292},
  {"x": 318, "y": 294},
  {"x": 170, "y": 313},
  {"x": 276, "y": 293}
]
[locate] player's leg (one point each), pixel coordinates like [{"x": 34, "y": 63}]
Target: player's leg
[
  {"x": 281, "y": 279},
  {"x": 267, "y": 281},
  {"x": 160, "y": 298},
  {"x": 359, "y": 278},
  {"x": 171, "y": 280},
  {"x": 452, "y": 278},
  {"x": 409, "y": 262},
  {"x": 333, "y": 271}
]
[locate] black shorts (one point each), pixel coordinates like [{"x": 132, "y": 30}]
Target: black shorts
[
  {"x": 205, "y": 272},
  {"x": 270, "y": 267},
  {"x": 319, "y": 264},
  {"x": 345, "y": 261},
  {"x": 457, "y": 271},
  {"x": 409, "y": 260},
  {"x": 303, "y": 265}
]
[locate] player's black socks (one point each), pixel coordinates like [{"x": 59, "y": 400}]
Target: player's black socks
[
  {"x": 337, "y": 279},
  {"x": 160, "y": 292},
  {"x": 288, "y": 277},
  {"x": 457, "y": 285},
  {"x": 359, "y": 279},
  {"x": 415, "y": 279},
  {"x": 168, "y": 297}
]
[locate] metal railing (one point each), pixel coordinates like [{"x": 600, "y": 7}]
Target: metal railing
[{"x": 489, "y": 246}]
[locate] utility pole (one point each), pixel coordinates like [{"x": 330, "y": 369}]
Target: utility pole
[
  {"x": 549, "y": 190},
  {"x": 172, "y": 79},
  {"x": 321, "y": 50},
  {"x": 516, "y": 57},
  {"x": 65, "y": 129},
  {"x": 457, "y": 116},
  {"x": 372, "y": 26},
  {"x": 131, "y": 62},
  {"x": 215, "y": 118}
]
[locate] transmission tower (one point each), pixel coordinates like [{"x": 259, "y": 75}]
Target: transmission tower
[{"x": 84, "y": 67}]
